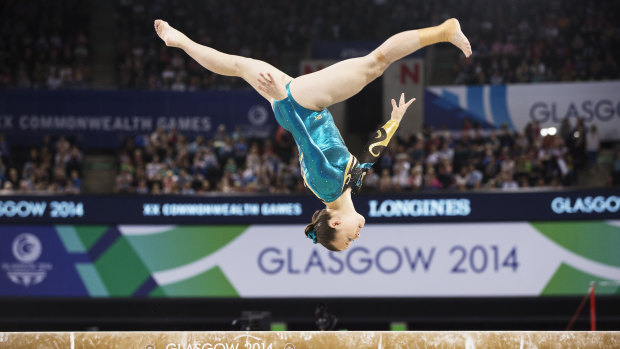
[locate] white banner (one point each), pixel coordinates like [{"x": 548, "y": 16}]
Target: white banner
[
  {"x": 413, "y": 260},
  {"x": 516, "y": 105}
]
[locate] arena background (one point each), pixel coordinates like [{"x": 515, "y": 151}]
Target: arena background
[{"x": 141, "y": 192}]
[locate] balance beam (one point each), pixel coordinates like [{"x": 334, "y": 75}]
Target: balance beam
[{"x": 307, "y": 340}]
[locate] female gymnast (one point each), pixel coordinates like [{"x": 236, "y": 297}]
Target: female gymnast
[{"x": 299, "y": 105}]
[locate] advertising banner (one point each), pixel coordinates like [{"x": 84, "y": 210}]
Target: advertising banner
[
  {"x": 297, "y": 209},
  {"x": 100, "y": 119},
  {"x": 597, "y": 103},
  {"x": 247, "y": 261}
]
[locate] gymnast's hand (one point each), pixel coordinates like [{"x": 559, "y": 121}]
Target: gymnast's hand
[
  {"x": 399, "y": 110},
  {"x": 273, "y": 87}
]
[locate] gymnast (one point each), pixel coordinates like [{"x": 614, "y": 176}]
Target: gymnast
[{"x": 300, "y": 106}]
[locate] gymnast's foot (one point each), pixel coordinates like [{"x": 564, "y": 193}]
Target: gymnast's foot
[
  {"x": 170, "y": 36},
  {"x": 452, "y": 30}
]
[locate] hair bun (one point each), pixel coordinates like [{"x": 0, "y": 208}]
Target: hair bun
[{"x": 309, "y": 228}]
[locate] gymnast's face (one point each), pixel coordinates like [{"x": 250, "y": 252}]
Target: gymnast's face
[{"x": 347, "y": 229}]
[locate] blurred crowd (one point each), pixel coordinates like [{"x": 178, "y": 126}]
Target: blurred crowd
[
  {"x": 261, "y": 29},
  {"x": 44, "y": 44},
  {"x": 473, "y": 159},
  {"x": 537, "y": 41},
  {"x": 54, "y": 167},
  {"x": 513, "y": 41},
  {"x": 169, "y": 163}
]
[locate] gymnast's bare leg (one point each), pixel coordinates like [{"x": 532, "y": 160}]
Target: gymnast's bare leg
[
  {"x": 331, "y": 85},
  {"x": 344, "y": 79},
  {"x": 219, "y": 62}
]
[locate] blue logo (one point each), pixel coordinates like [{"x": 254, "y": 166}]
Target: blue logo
[{"x": 27, "y": 250}]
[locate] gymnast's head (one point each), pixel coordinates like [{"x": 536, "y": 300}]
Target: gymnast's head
[{"x": 335, "y": 230}]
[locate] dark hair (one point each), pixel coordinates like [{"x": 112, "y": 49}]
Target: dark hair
[{"x": 324, "y": 233}]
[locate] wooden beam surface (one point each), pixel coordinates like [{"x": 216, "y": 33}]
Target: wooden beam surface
[{"x": 307, "y": 340}]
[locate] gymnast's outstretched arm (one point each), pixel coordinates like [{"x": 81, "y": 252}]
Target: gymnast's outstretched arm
[{"x": 375, "y": 147}]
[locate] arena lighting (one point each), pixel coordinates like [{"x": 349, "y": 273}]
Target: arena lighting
[{"x": 550, "y": 131}]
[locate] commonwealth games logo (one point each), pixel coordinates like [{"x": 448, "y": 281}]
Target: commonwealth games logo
[
  {"x": 258, "y": 115},
  {"x": 27, "y": 249}
]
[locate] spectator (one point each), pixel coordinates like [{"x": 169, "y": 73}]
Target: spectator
[
  {"x": 385, "y": 182},
  {"x": 401, "y": 172},
  {"x": 462, "y": 178},
  {"x": 615, "y": 169},
  {"x": 475, "y": 177},
  {"x": 509, "y": 182},
  {"x": 431, "y": 181},
  {"x": 592, "y": 146},
  {"x": 417, "y": 178}
]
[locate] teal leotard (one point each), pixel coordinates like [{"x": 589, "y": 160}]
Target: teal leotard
[{"x": 327, "y": 165}]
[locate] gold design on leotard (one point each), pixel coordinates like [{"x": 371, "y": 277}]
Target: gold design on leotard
[
  {"x": 362, "y": 178},
  {"x": 351, "y": 164},
  {"x": 384, "y": 134}
]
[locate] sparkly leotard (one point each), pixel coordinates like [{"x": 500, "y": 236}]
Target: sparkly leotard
[{"x": 327, "y": 166}]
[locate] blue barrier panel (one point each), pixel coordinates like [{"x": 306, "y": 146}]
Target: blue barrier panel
[
  {"x": 287, "y": 209},
  {"x": 101, "y": 119}
]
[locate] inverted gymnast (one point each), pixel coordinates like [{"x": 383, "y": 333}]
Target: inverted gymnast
[{"x": 299, "y": 104}]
